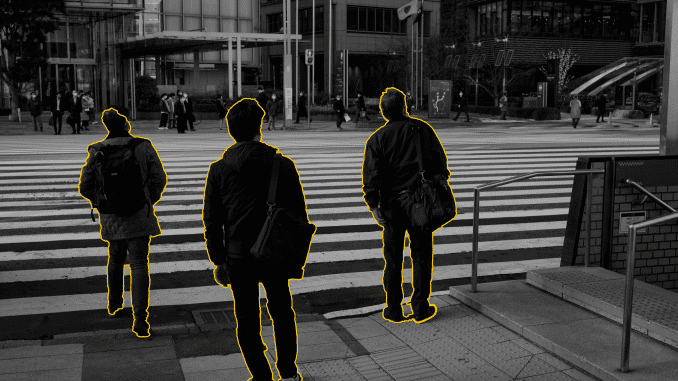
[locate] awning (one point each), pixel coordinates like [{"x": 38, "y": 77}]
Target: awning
[
  {"x": 618, "y": 73},
  {"x": 173, "y": 42}
]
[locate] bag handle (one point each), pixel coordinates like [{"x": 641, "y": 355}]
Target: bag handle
[
  {"x": 417, "y": 130},
  {"x": 273, "y": 185}
]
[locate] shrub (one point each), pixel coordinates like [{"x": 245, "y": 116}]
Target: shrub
[
  {"x": 546, "y": 113},
  {"x": 488, "y": 110},
  {"x": 147, "y": 95},
  {"x": 636, "y": 114},
  {"x": 5, "y": 111}
]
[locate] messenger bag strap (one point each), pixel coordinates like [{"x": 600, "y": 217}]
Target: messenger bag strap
[
  {"x": 273, "y": 185},
  {"x": 418, "y": 144}
]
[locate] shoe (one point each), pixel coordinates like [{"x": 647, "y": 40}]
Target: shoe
[
  {"x": 455, "y": 119},
  {"x": 432, "y": 310},
  {"x": 397, "y": 318},
  {"x": 117, "y": 312},
  {"x": 78, "y": 132},
  {"x": 269, "y": 128},
  {"x": 142, "y": 330},
  {"x": 339, "y": 128},
  {"x": 192, "y": 129},
  {"x": 297, "y": 377},
  {"x": 73, "y": 133}
]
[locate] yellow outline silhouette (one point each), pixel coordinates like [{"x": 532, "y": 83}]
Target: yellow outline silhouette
[
  {"x": 407, "y": 233},
  {"x": 109, "y": 243},
  {"x": 288, "y": 280}
]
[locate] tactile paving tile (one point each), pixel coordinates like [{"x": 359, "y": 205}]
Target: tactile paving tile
[
  {"x": 570, "y": 277},
  {"x": 503, "y": 351},
  {"x": 535, "y": 367},
  {"x": 480, "y": 337},
  {"x": 369, "y": 369},
  {"x": 331, "y": 370},
  {"x": 412, "y": 333},
  {"x": 406, "y": 364},
  {"x": 465, "y": 323}
]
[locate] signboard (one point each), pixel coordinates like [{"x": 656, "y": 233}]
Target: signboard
[
  {"x": 660, "y": 171},
  {"x": 630, "y": 218},
  {"x": 440, "y": 98},
  {"x": 618, "y": 95},
  {"x": 309, "y": 56},
  {"x": 339, "y": 73},
  {"x": 287, "y": 82},
  {"x": 628, "y": 95}
]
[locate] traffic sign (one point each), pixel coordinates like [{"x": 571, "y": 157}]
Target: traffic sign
[{"x": 309, "y": 56}]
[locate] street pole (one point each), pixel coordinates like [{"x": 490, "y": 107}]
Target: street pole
[
  {"x": 296, "y": 59},
  {"x": 329, "y": 77},
  {"x": 308, "y": 92},
  {"x": 421, "y": 65},
  {"x": 313, "y": 64},
  {"x": 412, "y": 60}
]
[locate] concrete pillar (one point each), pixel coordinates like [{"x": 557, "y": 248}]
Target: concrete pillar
[
  {"x": 668, "y": 132},
  {"x": 230, "y": 67},
  {"x": 159, "y": 73},
  {"x": 239, "y": 74},
  {"x": 196, "y": 68}
]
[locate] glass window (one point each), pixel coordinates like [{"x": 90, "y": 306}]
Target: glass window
[
  {"x": 172, "y": 6},
  {"x": 245, "y": 26},
  {"x": 351, "y": 18},
  {"x": 209, "y": 7},
  {"x": 319, "y": 19},
  {"x": 58, "y": 42},
  {"x": 515, "y": 16},
  {"x": 547, "y": 17},
  {"x": 379, "y": 20},
  {"x": 151, "y": 23},
  {"x": 228, "y": 9},
  {"x": 173, "y": 23},
  {"x": 526, "y": 16},
  {"x": 153, "y": 5},
  {"x": 388, "y": 17},
  {"x": 536, "y": 16},
  {"x": 587, "y": 19},
  {"x": 192, "y": 24},
  {"x": 191, "y": 7},
  {"x": 362, "y": 18},
  {"x": 481, "y": 20},
  {"x": 211, "y": 24},
  {"x": 274, "y": 23},
  {"x": 370, "y": 19},
  {"x": 606, "y": 17},
  {"x": 661, "y": 21},
  {"x": 576, "y": 19},
  {"x": 245, "y": 8}
]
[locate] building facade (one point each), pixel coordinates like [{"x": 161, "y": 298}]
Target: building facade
[{"x": 376, "y": 41}]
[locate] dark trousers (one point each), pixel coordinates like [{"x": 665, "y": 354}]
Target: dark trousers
[
  {"x": 76, "y": 124},
  {"x": 163, "y": 119},
  {"x": 357, "y": 115},
  {"x": 190, "y": 121},
  {"x": 601, "y": 114},
  {"x": 340, "y": 119},
  {"x": 421, "y": 251},
  {"x": 245, "y": 274},
  {"x": 140, "y": 282},
  {"x": 57, "y": 121},
  {"x": 302, "y": 113},
  {"x": 465, "y": 110},
  {"x": 181, "y": 124}
]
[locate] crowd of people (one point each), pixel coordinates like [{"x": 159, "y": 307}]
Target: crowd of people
[
  {"x": 176, "y": 111},
  {"x": 78, "y": 105}
]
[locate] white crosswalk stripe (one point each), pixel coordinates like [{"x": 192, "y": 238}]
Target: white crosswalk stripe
[{"x": 46, "y": 233}]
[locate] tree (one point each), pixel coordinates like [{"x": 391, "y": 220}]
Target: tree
[
  {"x": 566, "y": 59},
  {"x": 23, "y": 29}
]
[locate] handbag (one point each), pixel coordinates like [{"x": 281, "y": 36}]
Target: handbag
[
  {"x": 346, "y": 117},
  {"x": 432, "y": 204},
  {"x": 285, "y": 239},
  {"x": 69, "y": 120},
  {"x": 51, "y": 121}
]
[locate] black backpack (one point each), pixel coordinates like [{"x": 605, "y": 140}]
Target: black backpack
[{"x": 119, "y": 188}]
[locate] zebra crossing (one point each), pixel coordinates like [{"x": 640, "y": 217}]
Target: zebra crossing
[{"x": 52, "y": 260}]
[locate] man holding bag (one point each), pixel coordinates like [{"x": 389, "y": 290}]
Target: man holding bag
[
  {"x": 234, "y": 212},
  {"x": 390, "y": 174}
]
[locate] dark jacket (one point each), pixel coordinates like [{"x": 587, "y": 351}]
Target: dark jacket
[
  {"x": 390, "y": 162},
  {"x": 189, "y": 106},
  {"x": 272, "y": 107},
  {"x": 63, "y": 106},
  {"x": 463, "y": 102},
  {"x": 361, "y": 103},
  {"x": 302, "y": 103},
  {"x": 179, "y": 109},
  {"x": 339, "y": 107},
  {"x": 601, "y": 103},
  {"x": 74, "y": 107},
  {"x": 220, "y": 107},
  {"x": 35, "y": 106},
  {"x": 141, "y": 224},
  {"x": 165, "y": 106},
  {"x": 236, "y": 190},
  {"x": 262, "y": 99}
]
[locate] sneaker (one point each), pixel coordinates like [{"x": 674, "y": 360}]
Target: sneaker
[
  {"x": 142, "y": 329},
  {"x": 395, "y": 318},
  {"x": 297, "y": 377},
  {"x": 432, "y": 310}
]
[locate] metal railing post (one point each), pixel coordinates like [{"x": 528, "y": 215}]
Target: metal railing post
[
  {"x": 589, "y": 197},
  {"x": 628, "y": 299},
  {"x": 476, "y": 223}
]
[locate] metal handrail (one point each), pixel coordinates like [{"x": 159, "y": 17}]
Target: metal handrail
[
  {"x": 476, "y": 211},
  {"x": 630, "y": 269}
]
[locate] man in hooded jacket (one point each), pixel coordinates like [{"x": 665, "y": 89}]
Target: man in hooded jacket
[
  {"x": 234, "y": 212},
  {"x": 128, "y": 234}
]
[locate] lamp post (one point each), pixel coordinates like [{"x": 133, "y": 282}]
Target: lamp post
[
  {"x": 503, "y": 63},
  {"x": 451, "y": 63},
  {"x": 477, "y": 45}
]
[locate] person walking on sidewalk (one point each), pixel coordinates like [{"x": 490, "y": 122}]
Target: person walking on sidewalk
[
  {"x": 126, "y": 233},
  {"x": 262, "y": 99},
  {"x": 172, "y": 119},
  {"x": 463, "y": 106},
  {"x": 410, "y": 102},
  {"x": 272, "y": 107},
  {"x": 360, "y": 102},
  {"x": 503, "y": 104},
  {"x": 390, "y": 173},
  {"x": 234, "y": 211},
  {"x": 57, "y": 113},
  {"x": 575, "y": 110},
  {"x": 88, "y": 109},
  {"x": 601, "y": 104},
  {"x": 164, "y": 112},
  {"x": 35, "y": 108},
  {"x": 220, "y": 110},
  {"x": 180, "y": 112},
  {"x": 188, "y": 105},
  {"x": 302, "y": 110},
  {"x": 74, "y": 110},
  {"x": 340, "y": 111}
]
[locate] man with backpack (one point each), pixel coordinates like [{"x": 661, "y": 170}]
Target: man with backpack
[
  {"x": 390, "y": 175},
  {"x": 123, "y": 179}
]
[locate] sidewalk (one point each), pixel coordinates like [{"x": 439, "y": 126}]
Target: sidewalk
[{"x": 459, "y": 343}]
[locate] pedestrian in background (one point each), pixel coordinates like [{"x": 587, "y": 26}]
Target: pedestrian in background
[
  {"x": 180, "y": 111},
  {"x": 601, "y": 104},
  {"x": 234, "y": 211},
  {"x": 390, "y": 172},
  {"x": 57, "y": 113},
  {"x": 503, "y": 104},
  {"x": 221, "y": 110},
  {"x": 361, "y": 109},
  {"x": 35, "y": 108},
  {"x": 463, "y": 106},
  {"x": 302, "y": 110},
  {"x": 74, "y": 110},
  {"x": 575, "y": 110},
  {"x": 272, "y": 107},
  {"x": 164, "y": 112},
  {"x": 339, "y": 110},
  {"x": 88, "y": 105},
  {"x": 262, "y": 99},
  {"x": 172, "y": 117},
  {"x": 190, "y": 117},
  {"x": 410, "y": 102},
  {"x": 127, "y": 233}
]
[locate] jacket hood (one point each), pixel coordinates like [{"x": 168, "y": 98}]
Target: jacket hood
[{"x": 249, "y": 156}]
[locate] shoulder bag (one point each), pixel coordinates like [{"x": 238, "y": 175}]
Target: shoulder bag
[
  {"x": 285, "y": 239},
  {"x": 432, "y": 204}
]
